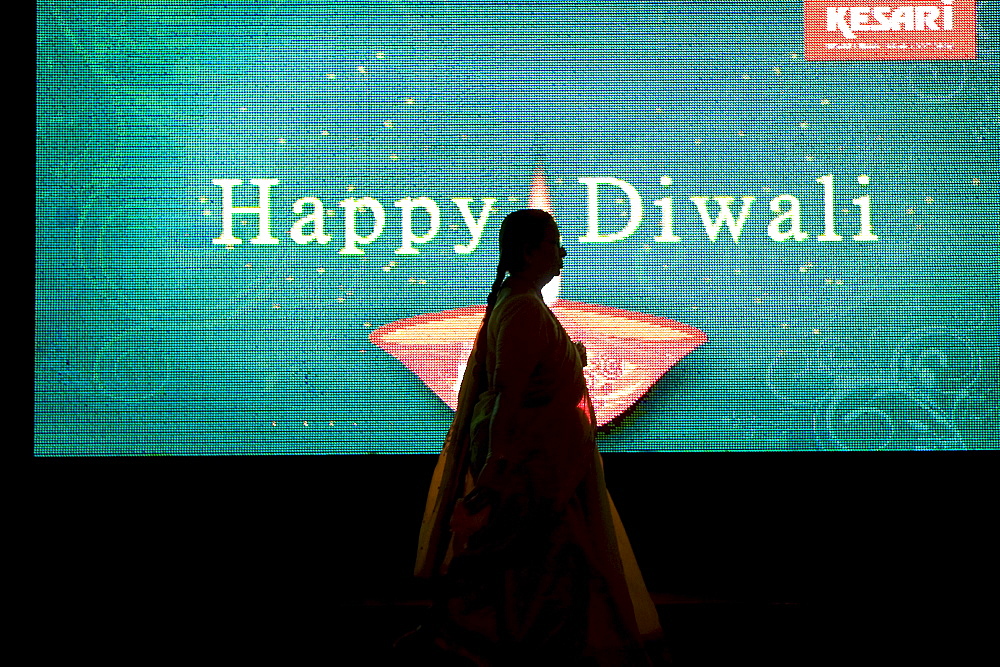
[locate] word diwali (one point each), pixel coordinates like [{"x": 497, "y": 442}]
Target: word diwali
[{"x": 311, "y": 228}]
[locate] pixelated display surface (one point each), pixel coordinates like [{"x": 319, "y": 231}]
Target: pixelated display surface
[{"x": 244, "y": 208}]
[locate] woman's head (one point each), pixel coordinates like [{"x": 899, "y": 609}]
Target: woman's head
[
  {"x": 523, "y": 235},
  {"x": 529, "y": 247}
]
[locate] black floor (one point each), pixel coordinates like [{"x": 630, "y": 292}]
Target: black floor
[
  {"x": 801, "y": 561},
  {"x": 729, "y": 633}
]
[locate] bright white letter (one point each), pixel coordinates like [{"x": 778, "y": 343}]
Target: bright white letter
[
  {"x": 351, "y": 238},
  {"x": 793, "y": 214},
  {"x": 864, "y": 203},
  {"x": 859, "y": 19},
  {"x": 828, "y": 232},
  {"x": 409, "y": 239},
  {"x": 667, "y": 225},
  {"x": 316, "y": 217},
  {"x": 263, "y": 210},
  {"x": 725, "y": 215},
  {"x": 635, "y": 210},
  {"x": 902, "y": 18},
  {"x": 836, "y": 19},
  {"x": 928, "y": 18},
  {"x": 475, "y": 226}
]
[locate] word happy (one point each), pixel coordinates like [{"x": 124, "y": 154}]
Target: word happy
[{"x": 786, "y": 224}]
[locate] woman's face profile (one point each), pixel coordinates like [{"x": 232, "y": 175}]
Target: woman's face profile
[{"x": 546, "y": 259}]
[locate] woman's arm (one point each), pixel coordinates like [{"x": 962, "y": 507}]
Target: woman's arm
[{"x": 519, "y": 345}]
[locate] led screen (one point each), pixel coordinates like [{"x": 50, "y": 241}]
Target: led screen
[{"x": 270, "y": 227}]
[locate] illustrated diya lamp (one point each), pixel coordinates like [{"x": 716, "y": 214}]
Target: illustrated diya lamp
[{"x": 627, "y": 352}]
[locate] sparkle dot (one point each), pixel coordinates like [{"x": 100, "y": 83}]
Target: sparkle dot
[
  {"x": 975, "y": 181},
  {"x": 243, "y": 109},
  {"x": 412, "y": 280},
  {"x": 230, "y": 246},
  {"x": 737, "y": 271},
  {"x": 776, "y": 70},
  {"x": 824, "y": 101},
  {"x": 388, "y": 123},
  {"x": 839, "y": 282},
  {"x": 766, "y": 188},
  {"x": 803, "y": 125},
  {"x": 331, "y": 75},
  {"x": 362, "y": 70},
  {"x": 697, "y": 141},
  {"x": 863, "y": 180},
  {"x": 647, "y": 247},
  {"x": 816, "y": 331},
  {"x": 559, "y": 181},
  {"x": 393, "y": 263},
  {"x": 248, "y": 265},
  {"x": 277, "y": 305},
  {"x": 282, "y": 141},
  {"x": 305, "y": 423},
  {"x": 206, "y": 212},
  {"x": 324, "y": 133},
  {"x": 707, "y": 279},
  {"x": 758, "y": 300},
  {"x": 274, "y": 423},
  {"x": 393, "y": 157},
  {"x": 380, "y": 55},
  {"x": 929, "y": 200},
  {"x": 741, "y": 133},
  {"x": 746, "y": 77},
  {"x": 203, "y": 199},
  {"x": 828, "y": 281},
  {"x": 387, "y": 269},
  {"x": 658, "y": 109},
  {"x": 452, "y": 227},
  {"x": 290, "y": 278},
  {"x": 409, "y": 100},
  {"x": 784, "y": 325},
  {"x": 331, "y": 423},
  {"x": 793, "y": 55},
  {"x": 349, "y": 293},
  {"x": 320, "y": 269},
  {"x": 421, "y": 282},
  {"x": 804, "y": 268},
  {"x": 910, "y": 211},
  {"x": 340, "y": 299},
  {"x": 350, "y": 188}
]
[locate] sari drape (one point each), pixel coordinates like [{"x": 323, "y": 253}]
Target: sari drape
[{"x": 549, "y": 571}]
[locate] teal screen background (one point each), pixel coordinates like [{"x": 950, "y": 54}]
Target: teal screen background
[{"x": 151, "y": 340}]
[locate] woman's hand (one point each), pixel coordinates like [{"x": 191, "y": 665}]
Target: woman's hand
[{"x": 471, "y": 515}]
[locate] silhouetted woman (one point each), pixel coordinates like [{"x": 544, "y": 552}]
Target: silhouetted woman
[{"x": 528, "y": 559}]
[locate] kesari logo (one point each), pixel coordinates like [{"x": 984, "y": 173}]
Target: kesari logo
[{"x": 936, "y": 30}]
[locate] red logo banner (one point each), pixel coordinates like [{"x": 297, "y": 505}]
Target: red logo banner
[{"x": 864, "y": 30}]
